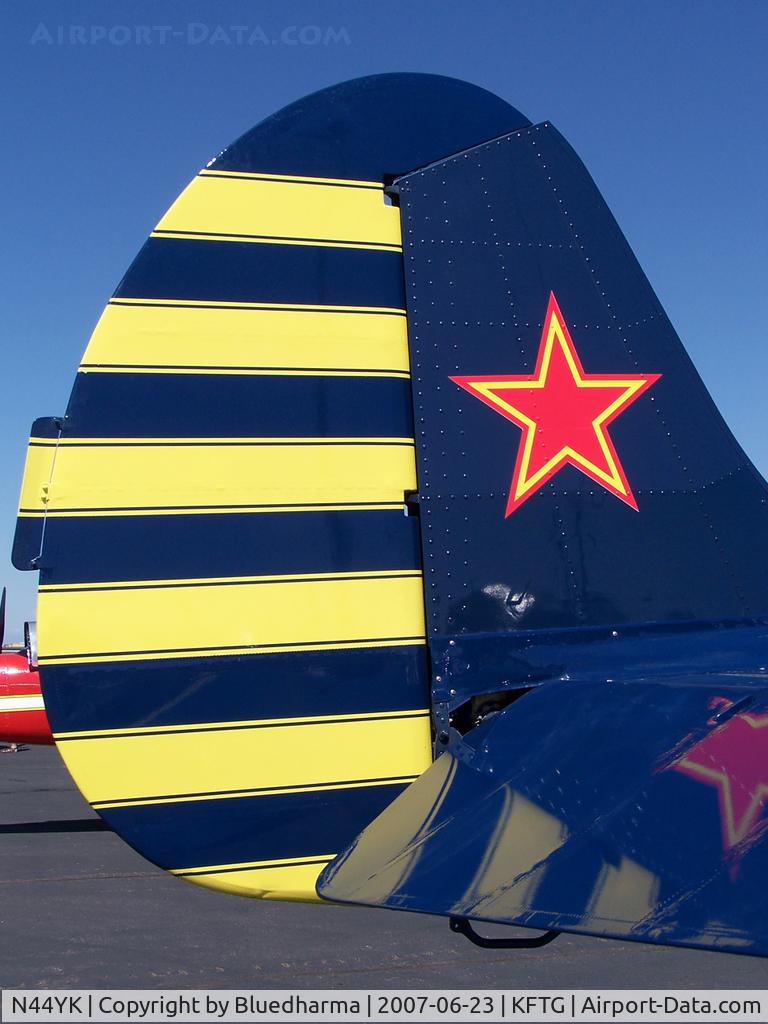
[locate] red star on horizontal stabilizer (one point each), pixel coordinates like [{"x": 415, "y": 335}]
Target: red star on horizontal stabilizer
[
  {"x": 732, "y": 758},
  {"x": 563, "y": 413}
]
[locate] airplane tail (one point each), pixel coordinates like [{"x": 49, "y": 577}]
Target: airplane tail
[
  {"x": 342, "y": 484},
  {"x": 595, "y": 549},
  {"x": 230, "y": 610}
]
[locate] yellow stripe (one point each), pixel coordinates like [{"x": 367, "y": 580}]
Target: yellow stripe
[
  {"x": 36, "y": 481},
  {"x": 240, "y": 510},
  {"x": 296, "y": 577},
  {"x": 257, "y": 372},
  {"x": 248, "y": 865},
  {"x": 280, "y": 792},
  {"x": 241, "y": 338},
  {"x": 280, "y": 210},
  {"x": 141, "y": 442},
  {"x": 326, "y": 243},
  {"x": 102, "y": 476},
  {"x": 403, "y": 780},
  {"x": 215, "y": 652},
  {"x": 301, "y": 179},
  {"x": 147, "y": 767},
  {"x": 298, "y": 307},
  {"x": 282, "y": 882},
  {"x": 203, "y": 726},
  {"x": 241, "y": 616},
  {"x": 287, "y": 879}
]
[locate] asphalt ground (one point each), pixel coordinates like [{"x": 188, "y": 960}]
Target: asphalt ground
[{"x": 80, "y": 909}]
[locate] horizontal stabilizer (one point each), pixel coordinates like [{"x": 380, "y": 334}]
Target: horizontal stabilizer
[{"x": 625, "y": 809}]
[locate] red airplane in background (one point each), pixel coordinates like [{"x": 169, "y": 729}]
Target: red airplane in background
[{"x": 22, "y": 713}]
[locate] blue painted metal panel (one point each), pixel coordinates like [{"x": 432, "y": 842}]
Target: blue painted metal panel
[
  {"x": 200, "y": 270},
  {"x": 479, "y": 274},
  {"x": 630, "y": 809},
  {"x": 243, "y": 829},
  {"x": 121, "y": 405},
  {"x": 230, "y": 688},
  {"x": 93, "y": 549},
  {"x": 401, "y": 122},
  {"x": 477, "y": 663}
]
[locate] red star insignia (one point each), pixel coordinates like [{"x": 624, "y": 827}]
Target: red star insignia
[
  {"x": 563, "y": 413},
  {"x": 733, "y": 760}
]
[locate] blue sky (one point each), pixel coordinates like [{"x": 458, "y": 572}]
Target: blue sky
[{"x": 112, "y": 106}]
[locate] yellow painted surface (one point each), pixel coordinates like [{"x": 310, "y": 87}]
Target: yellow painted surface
[
  {"x": 213, "y": 726},
  {"x": 107, "y": 476},
  {"x": 120, "y": 475},
  {"x": 301, "y": 179},
  {"x": 140, "y": 768},
  {"x": 280, "y": 209},
  {"x": 284, "y": 881},
  {"x": 240, "y": 339},
  {"x": 208, "y": 618},
  {"x": 35, "y": 483}
]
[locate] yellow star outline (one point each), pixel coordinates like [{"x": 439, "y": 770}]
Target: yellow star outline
[
  {"x": 733, "y": 831},
  {"x": 556, "y": 338}
]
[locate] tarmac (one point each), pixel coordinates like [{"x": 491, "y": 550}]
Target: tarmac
[{"x": 80, "y": 909}]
